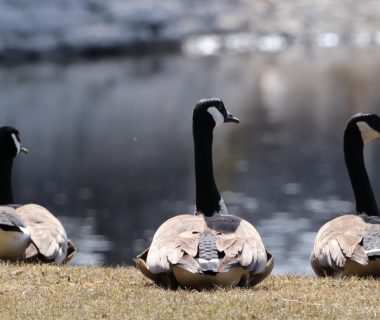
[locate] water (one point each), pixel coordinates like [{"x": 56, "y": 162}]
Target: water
[{"x": 111, "y": 149}]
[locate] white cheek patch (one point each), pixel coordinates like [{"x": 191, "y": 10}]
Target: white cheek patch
[
  {"x": 367, "y": 132},
  {"x": 17, "y": 143},
  {"x": 218, "y": 117}
]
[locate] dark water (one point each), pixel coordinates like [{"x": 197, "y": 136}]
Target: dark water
[{"x": 111, "y": 149}]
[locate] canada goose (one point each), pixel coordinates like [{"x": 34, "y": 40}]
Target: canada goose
[
  {"x": 211, "y": 247},
  {"x": 27, "y": 232},
  {"x": 350, "y": 244}
]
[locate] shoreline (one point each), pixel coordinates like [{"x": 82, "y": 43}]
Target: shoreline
[{"x": 68, "y": 29}]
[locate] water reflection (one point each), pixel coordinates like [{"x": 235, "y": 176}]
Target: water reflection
[
  {"x": 92, "y": 246},
  {"x": 111, "y": 146}
]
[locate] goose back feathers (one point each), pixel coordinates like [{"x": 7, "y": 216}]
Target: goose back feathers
[
  {"x": 49, "y": 239},
  {"x": 233, "y": 255}
]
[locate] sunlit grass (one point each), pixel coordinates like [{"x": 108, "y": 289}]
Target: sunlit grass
[{"x": 66, "y": 292}]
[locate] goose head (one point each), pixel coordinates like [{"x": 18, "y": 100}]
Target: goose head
[
  {"x": 10, "y": 143},
  {"x": 367, "y": 124},
  {"x": 210, "y": 113}
]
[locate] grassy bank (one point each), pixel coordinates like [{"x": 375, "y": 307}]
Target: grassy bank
[{"x": 50, "y": 292}]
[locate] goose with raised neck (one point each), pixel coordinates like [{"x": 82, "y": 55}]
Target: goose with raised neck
[
  {"x": 28, "y": 232},
  {"x": 208, "y": 199},
  {"x": 14, "y": 236},
  {"x": 350, "y": 244},
  {"x": 208, "y": 248}
]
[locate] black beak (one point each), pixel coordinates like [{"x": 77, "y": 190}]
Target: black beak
[{"x": 231, "y": 118}]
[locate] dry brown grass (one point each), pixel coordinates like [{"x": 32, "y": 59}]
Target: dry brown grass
[{"x": 65, "y": 292}]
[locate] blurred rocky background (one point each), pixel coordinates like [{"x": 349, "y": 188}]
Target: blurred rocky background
[{"x": 42, "y": 29}]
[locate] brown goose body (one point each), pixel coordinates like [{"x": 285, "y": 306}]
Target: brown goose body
[
  {"x": 173, "y": 257},
  {"x": 343, "y": 247},
  {"x": 49, "y": 240},
  {"x": 350, "y": 244}
]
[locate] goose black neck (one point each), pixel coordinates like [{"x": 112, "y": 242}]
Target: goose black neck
[
  {"x": 207, "y": 194},
  {"x": 361, "y": 185},
  {"x": 6, "y": 195}
]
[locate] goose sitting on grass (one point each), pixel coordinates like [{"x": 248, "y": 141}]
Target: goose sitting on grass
[
  {"x": 27, "y": 232},
  {"x": 350, "y": 244},
  {"x": 209, "y": 248}
]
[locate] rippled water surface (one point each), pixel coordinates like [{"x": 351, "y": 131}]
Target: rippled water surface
[{"x": 111, "y": 148}]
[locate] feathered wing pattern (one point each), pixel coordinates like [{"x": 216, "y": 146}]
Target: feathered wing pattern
[
  {"x": 176, "y": 244},
  {"x": 337, "y": 241},
  {"x": 8, "y": 217},
  {"x": 174, "y": 238},
  {"x": 244, "y": 246},
  {"x": 47, "y": 233}
]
